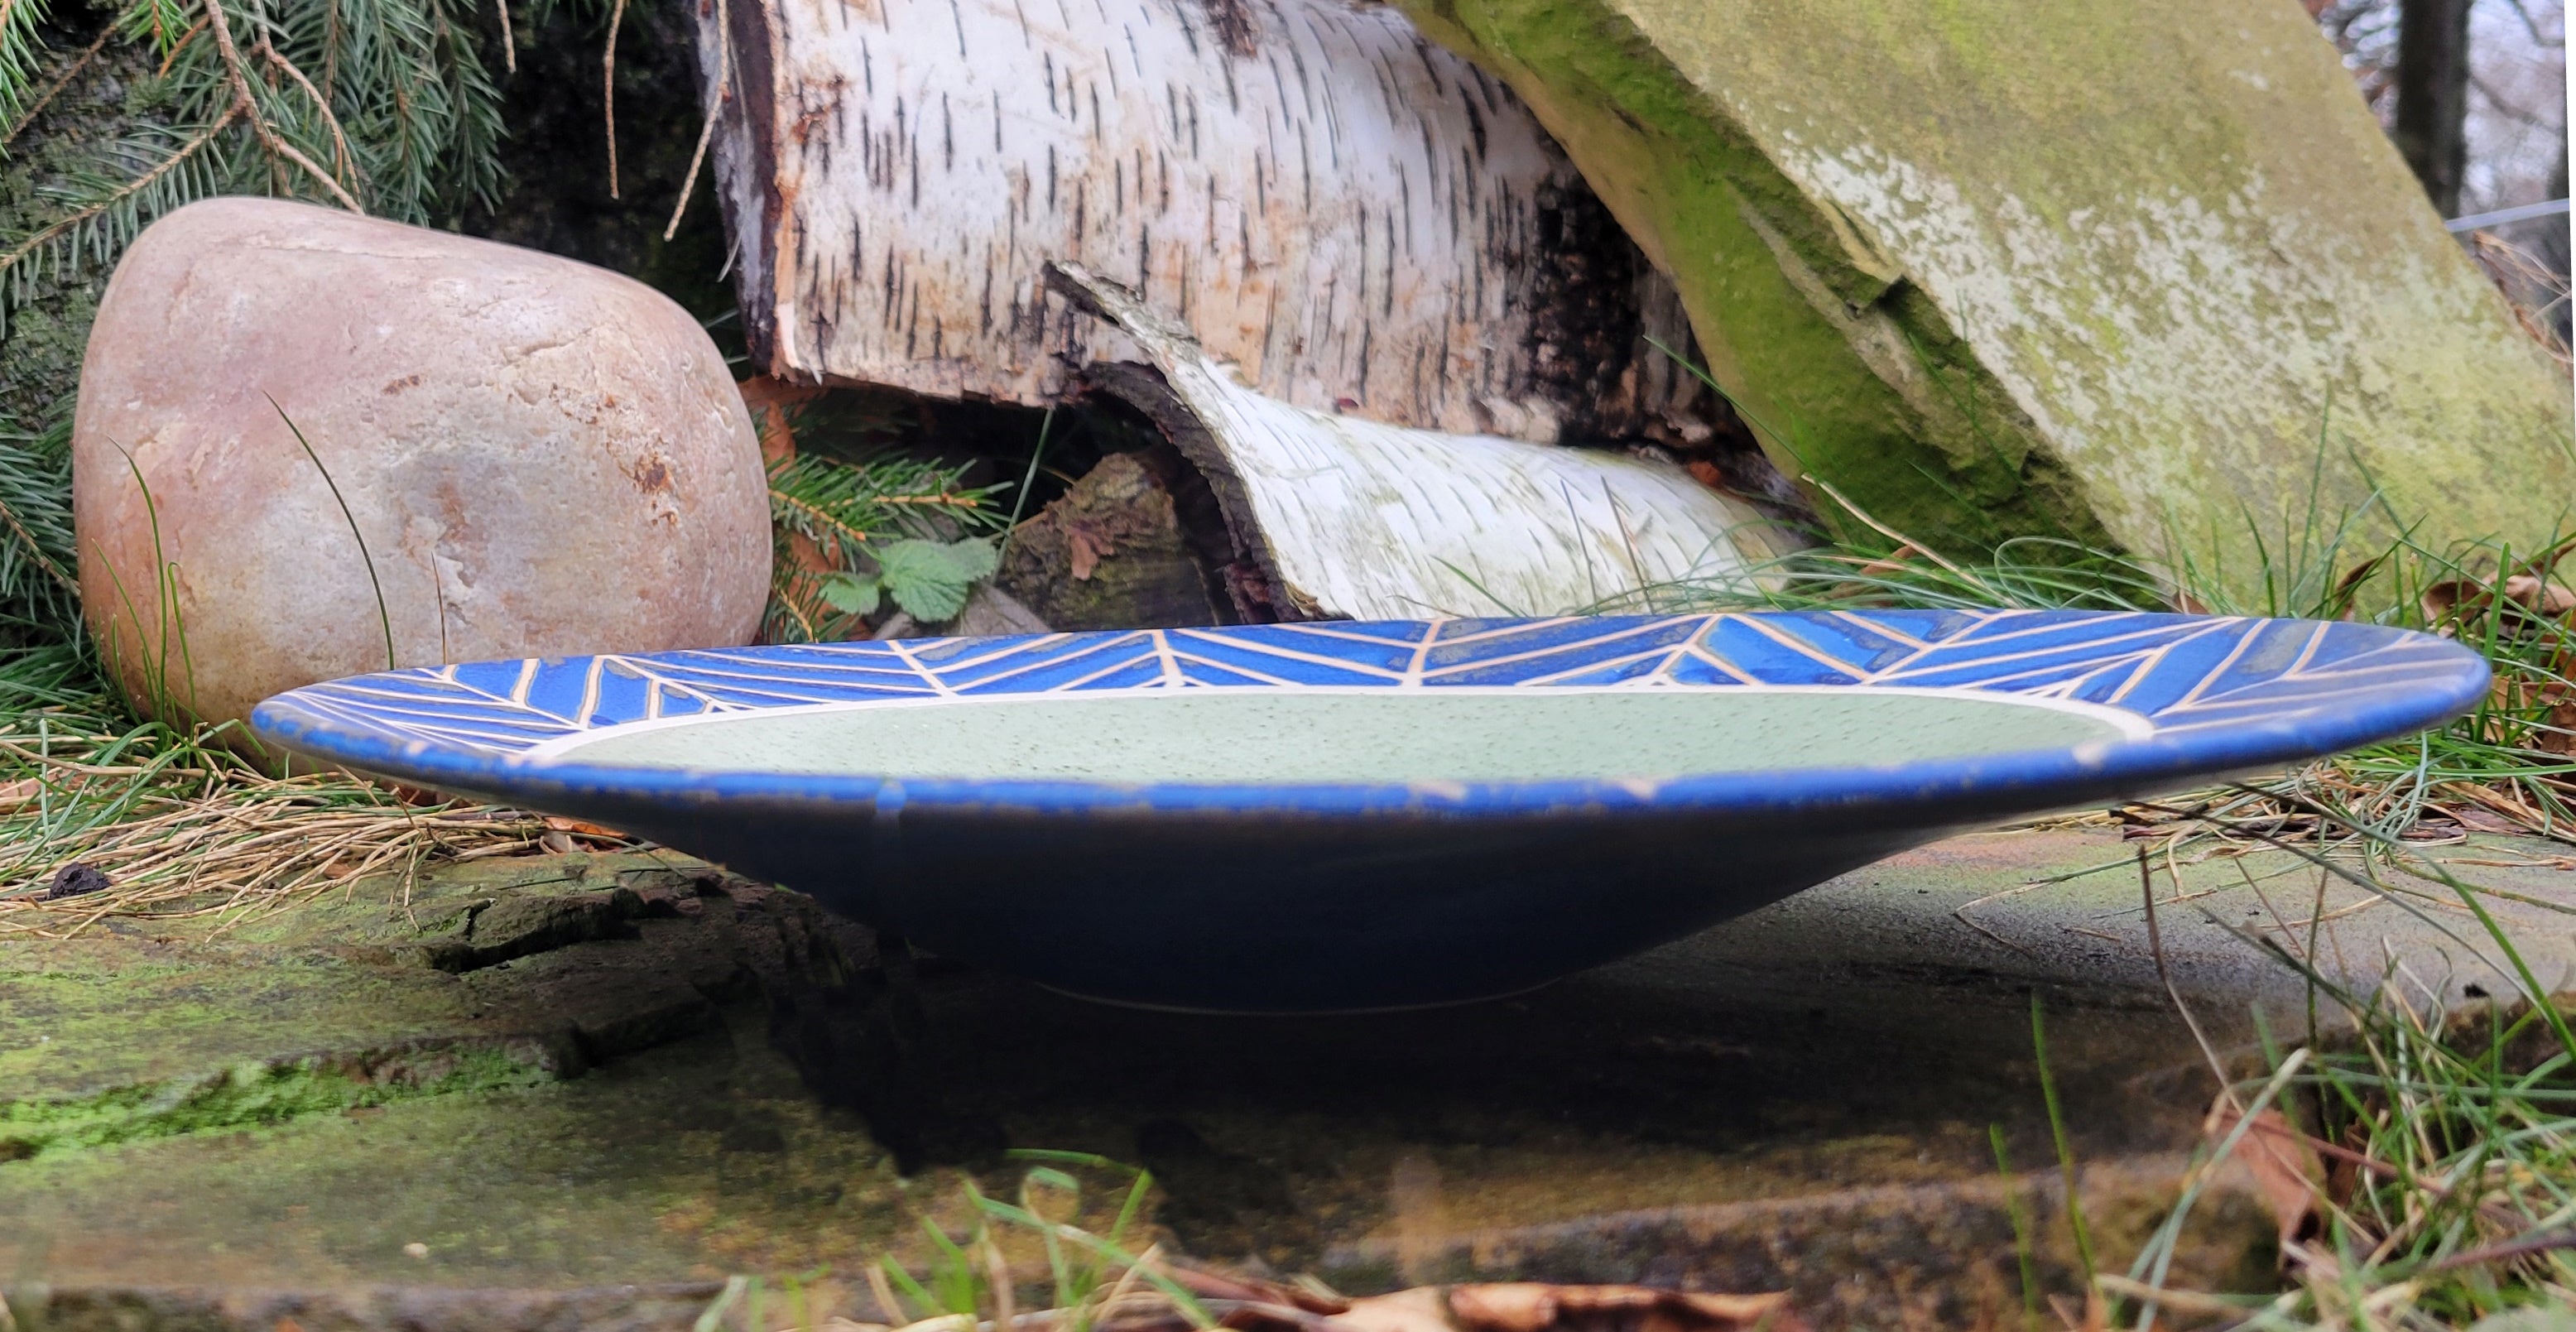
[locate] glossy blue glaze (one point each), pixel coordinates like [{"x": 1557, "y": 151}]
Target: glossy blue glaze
[{"x": 1325, "y": 896}]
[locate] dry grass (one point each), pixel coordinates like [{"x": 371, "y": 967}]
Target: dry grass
[{"x": 181, "y": 826}]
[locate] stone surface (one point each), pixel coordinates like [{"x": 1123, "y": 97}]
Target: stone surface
[
  {"x": 2134, "y": 272},
  {"x": 710, "y": 1079},
  {"x": 540, "y": 456}
]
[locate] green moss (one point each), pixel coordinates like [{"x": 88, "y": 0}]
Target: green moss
[
  {"x": 252, "y": 1094},
  {"x": 1787, "y": 300},
  {"x": 2144, "y": 276}
]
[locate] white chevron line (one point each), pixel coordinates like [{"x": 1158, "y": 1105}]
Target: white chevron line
[
  {"x": 657, "y": 682},
  {"x": 1883, "y": 631},
  {"x": 1697, "y": 649},
  {"x": 1552, "y": 649},
  {"x": 1664, "y": 657},
  {"x": 937, "y": 685},
  {"x": 2244, "y": 645},
  {"x": 1105, "y": 672},
  {"x": 803, "y": 676},
  {"x": 990, "y": 655},
  {"x": 2284, "y": 687},
  {"x": 1137, "y": 647},
  {"x": 2004, "y": 680},
  {"x": 1282, "y": 654},
  {"x": 1954, "y": 656},
  {"x": 1232, "y": 668},
  {"x": 1515, "y": 627},
  {"x": 2156, "y": 658},
  {"x": 1791, "y": 642},
  {"x": 1976, "y": 635}
]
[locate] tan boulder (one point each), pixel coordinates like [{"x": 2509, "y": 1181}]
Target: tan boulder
[{"x": 540, "y": 458}]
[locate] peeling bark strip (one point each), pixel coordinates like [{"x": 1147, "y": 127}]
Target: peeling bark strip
[
  {"x": 1360, "y": 220},
  {"x": 1345, "y": 517}
]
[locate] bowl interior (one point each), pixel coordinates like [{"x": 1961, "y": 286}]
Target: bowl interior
[{"x": 1267, "y": 736}]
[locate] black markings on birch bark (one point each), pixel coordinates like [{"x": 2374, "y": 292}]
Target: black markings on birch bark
[{"x": 1494, "y": 302}]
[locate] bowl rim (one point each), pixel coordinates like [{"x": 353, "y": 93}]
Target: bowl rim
[{"x": 2423, "y": 680}]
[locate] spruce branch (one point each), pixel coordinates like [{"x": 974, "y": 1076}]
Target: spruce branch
[
  {"x": 36, "y": 549},
  {"x": 52, "y": 90},
  {"x": 19, "y": 50},
  {"x": 342, "y": 159},
  {"x": 248, "y": 105},
  {"x": 885, "y": 522},
  {"x": 116, "y": 199},
  {"x": 181, "y": 45}
]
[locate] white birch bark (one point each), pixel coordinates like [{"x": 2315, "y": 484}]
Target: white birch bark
[
  {"x": 1347, "y": 517},
  {"x": 1358, "y": 219}
]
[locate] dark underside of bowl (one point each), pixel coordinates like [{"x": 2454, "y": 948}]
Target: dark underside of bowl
[{"x": 1283, "y": 913}]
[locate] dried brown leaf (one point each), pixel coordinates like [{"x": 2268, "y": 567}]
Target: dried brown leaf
[
  {"x": 2557, "y": 733},
  {"x": 2549, "y": 600},
  {"x": 1086, "y": 545},
  {"x": 769, "y": 400},
  {"x": 2288, "y": 1174},
  {"x": 2339, "y": 607},
  {"x": 2442, "y": 602}
]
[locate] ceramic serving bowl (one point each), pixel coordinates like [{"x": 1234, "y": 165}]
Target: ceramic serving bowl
[{"x": 1340, "y": 815}]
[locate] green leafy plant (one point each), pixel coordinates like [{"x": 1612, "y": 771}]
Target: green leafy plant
[
  {"x": 928, "y": 580},
  {"x": 852, "y": 535}
]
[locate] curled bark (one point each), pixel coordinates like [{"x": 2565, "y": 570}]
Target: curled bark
[{"x": 1336, "y": 516}]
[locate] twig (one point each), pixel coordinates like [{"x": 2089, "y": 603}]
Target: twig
[
  {"x": 2156, "y": 947},
  {"x": 181, "y": 45},
  {"x": 2529, "y": 1244},
  {"x": 509, "y": 42},
  {"x": 1901, "y": 539},
  {"x": 608, "y": 90},
  {"x": 715, "y": 107},
  {"x": 244, "y": 102},
  {"x": 339, "y": 142}
]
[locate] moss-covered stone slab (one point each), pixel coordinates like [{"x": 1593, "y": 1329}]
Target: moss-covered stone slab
[
  {"x": 2145, "y": 273},
  {"x": 722, "y": 1081},
  {"x": 491, "y": 974}
]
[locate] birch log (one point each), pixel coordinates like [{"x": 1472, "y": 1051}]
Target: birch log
[
  {"x": 1359, "y": 220},
  {"x": 1344, "y": 517}
]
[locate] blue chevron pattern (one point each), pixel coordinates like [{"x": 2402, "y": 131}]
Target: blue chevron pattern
[{"x": 2183, "y": 674}]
